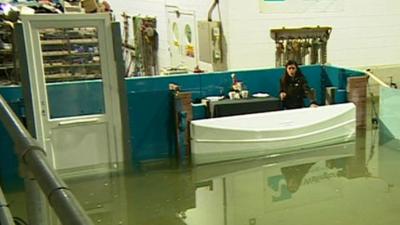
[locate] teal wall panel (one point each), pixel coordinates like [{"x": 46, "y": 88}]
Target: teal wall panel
[
  {"x": 9, "y": 172},
  {"x": 337, "y": 77},
  {"x": 151, "y": 124},
  {"x": 316, "y": 80}
]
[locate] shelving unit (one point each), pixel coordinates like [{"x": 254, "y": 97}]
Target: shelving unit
[
  {"x": 7, "y": 56},
  {"x": 305, "y": 45},
  {"x": 70, "y": 54}
]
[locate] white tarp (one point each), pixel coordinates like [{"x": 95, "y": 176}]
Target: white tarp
[{"x": 277, "y": 132}]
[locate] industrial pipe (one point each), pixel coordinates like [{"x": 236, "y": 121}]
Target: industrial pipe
[
  {"x": 5, "y": 214},
  {"x": 212, "y": 7}
]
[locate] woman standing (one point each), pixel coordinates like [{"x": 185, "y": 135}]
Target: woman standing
[{"x": 294, "y": 88}]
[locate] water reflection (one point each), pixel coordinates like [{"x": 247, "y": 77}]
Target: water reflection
[
  {"x": 264, "y": 194},
  {"x": 335, "y": 185},
  {"x": 350, "y": 183}
]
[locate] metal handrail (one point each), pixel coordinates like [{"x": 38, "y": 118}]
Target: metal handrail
[
  {"x": 5, "y": 215},
  {"x": 371, "y": 75},
  {"x": 379, "y": 81},
  {"x": 67, "y": 208}
]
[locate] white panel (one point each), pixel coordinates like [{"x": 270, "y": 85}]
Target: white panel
[
  {"x": 74, "y": 152},
  {"x": 174, "y": 39},
  {"x": 389, "y": 115}
]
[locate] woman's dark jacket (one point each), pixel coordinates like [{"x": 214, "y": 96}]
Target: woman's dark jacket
[{"x": 296, "y": 89}]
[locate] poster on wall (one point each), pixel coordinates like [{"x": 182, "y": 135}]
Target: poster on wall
[{"x": 300, "y": 6}]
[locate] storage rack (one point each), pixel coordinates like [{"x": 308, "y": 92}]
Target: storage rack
[
  {"x": 70, "y": 54},
  {"x": 7, "y": 56},
  {"x": 306, "y": 45}
]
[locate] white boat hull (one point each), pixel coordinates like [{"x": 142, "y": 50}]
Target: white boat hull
[{"x": 276, "y": 132}]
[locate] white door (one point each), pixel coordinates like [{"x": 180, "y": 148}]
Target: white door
[
  {"x": 174, "y": 37},
  {"x": 77, "y": 126},
  {"x": 190, "y": 51},
  {"x": 182, "y": 36}
]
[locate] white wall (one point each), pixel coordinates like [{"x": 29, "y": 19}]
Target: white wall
[
  {"x": 157, "y": 8},
  {"x": 146, "y": 8},
  {"x": 365, "y": 32}
]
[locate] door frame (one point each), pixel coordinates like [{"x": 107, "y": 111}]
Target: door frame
[{"x": 35, "y": 90}]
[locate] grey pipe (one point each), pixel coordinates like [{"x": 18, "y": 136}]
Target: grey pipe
[
  {"x": 212, "y": 7},
  {"x": 39, "y": 214},
  {"x": 5, "y": 214},
  {"x": 32, "y": 155}
]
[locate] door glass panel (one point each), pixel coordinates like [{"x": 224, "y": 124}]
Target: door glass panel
[{"x": 70, "y": 55}]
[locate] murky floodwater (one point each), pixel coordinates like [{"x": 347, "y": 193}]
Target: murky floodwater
[{"x": 354, "y": 183}]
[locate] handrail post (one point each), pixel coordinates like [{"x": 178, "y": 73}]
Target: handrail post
[
  {"x": 5, "y": 214},
  {"x": 37, "y": 206}
]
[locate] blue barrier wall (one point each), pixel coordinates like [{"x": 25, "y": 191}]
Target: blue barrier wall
[
  {"x": 149, "y": 104},
  {"x": 337, "y": 77},
  {"x": 9, "y": 174}
]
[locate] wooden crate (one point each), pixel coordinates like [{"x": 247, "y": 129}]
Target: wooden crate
[{"x": 357, "y": 93}]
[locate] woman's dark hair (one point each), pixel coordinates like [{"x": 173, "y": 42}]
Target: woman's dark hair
[
  {"x": 291, "y": 62},
  {"x": 287, "y": 76}
]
